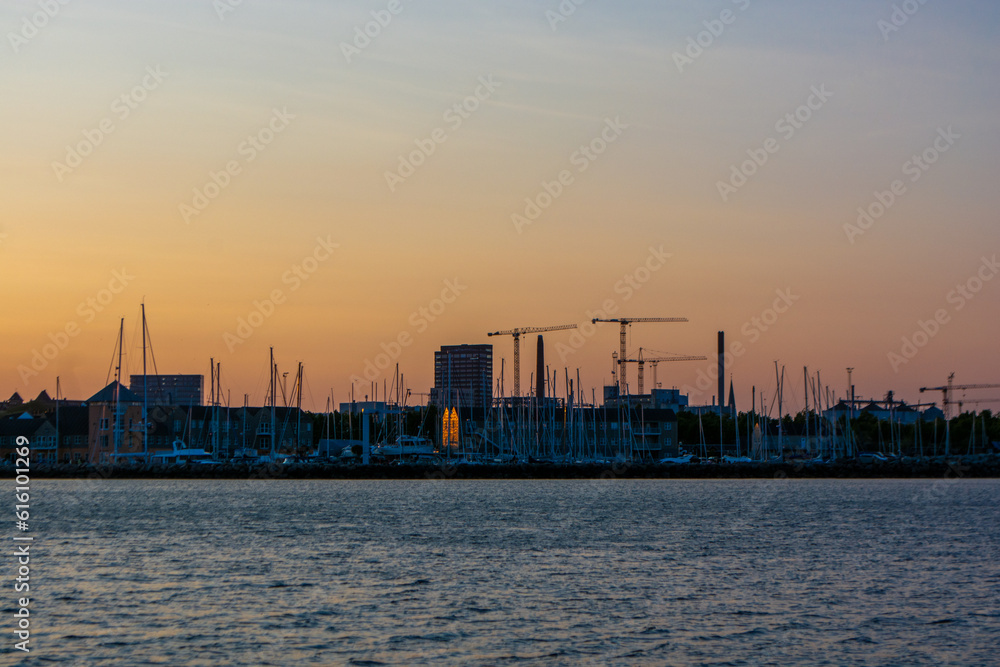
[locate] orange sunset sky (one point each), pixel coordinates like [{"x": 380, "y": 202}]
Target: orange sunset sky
[{"x": 533, "y": 162}]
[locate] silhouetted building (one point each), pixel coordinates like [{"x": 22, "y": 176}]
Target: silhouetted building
[
  {"x": 466, "y": 371},
  {"x": 169, "y": 389}
]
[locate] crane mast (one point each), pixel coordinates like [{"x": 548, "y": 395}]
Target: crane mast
[
  {"x": 625, "y": 322},
  {"x": 516, "y": 333},
  {"x": 654, "y": 361},
  {"x": 947, "y": 391}
]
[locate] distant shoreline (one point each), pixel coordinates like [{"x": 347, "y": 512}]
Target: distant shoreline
[{"x": 954, "y": 467}]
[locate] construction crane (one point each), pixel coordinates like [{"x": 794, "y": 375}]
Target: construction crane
[
  {"x": 516, "y": 333},
  {"x": 946, "y": 393},
  {"x": 625, "y": 322},
  {"x": 977, "y": 401},
  {"x": 410, "y": 392},
  {"x": 654, "y": 361}
]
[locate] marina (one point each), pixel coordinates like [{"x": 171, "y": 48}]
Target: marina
[{"x": 494, "y": 333}]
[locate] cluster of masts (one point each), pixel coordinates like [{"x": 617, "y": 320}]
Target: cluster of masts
[{"x": 620, "y": 359}]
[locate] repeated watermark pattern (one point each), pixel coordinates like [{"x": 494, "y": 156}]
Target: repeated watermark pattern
[
  {"x": 88, "y": 310},
  {"x": 786, "y": 126},
  {"x": 625, "y": 288},
  {"x": 714, "y": 28},
  {"x": 900, "y": 16},
  {"x": 32, "y": 25},
  {"x": 915, "y": 167},
  {"x": 752, "y": 330},
  {"x": 223, "y": 7},
  {"x": 419, "y": 321},
  {"x": 247, "y": 151},
  {"x": 121, "y": 109},
  {"x": 580, "y": 159},
  {"x": 454, "y": 117},
  {"x": 562, "y": 13},
  {"x": 365, "y": 34},
  {"x": 957, "y": 298},
  {"x": 265, "y": 308}
]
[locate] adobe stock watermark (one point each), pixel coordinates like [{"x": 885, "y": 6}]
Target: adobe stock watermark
[
  {"x": 581, "y": 159},
  {"x": 786, "y": 126},
  {"x": 957, "y": 297},
  {"x": 419, "y": 320},
  {"x": 87, "y": 310},
  {"x": 223, "y": 7},
  {"x": 263, "y": 309},
  {"x": 751, "y": 330},
  {"x": 625, "y": 288},
  {"x": 121, "y": 109},
  {"x": 22, "y": 513},
  {"x": 562, "y": 13},
  {"x": 900, "y": 16},
  {"x": 32, "y": 25},
  {"x": 714, "y": 28},
  {"x": 247, "y": 151},
  {"x": 915, "y": 167},
  {"x": 454, "y": 116},
  {"x": 365, "y": 34}
]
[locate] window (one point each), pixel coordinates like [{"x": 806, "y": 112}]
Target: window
[{"x": 104, "y": 424}]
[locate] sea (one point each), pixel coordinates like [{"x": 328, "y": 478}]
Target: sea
[{"x": 510, "y": 572}]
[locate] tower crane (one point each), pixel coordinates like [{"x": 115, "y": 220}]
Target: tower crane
[
  {"x": 946, "y": 393},
  {"x": 977, "y": 401},
  {"x": 654, "y": 361},
  {"x": 516, "y": 333},
  {"x": 410, "y": 392},
  {"x": 625, "y": 322}
]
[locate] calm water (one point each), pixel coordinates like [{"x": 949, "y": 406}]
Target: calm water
[{"x": 630, "y": 572}]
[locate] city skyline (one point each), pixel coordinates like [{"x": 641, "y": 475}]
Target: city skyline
[{"x": 341, "y": 183}]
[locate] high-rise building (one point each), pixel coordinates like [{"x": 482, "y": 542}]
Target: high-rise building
[
  {"x": 169, "y": 389},
  {"x": 463, "y": 376}
]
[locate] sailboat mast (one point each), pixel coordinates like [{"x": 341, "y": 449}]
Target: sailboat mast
[
  {"x": 274, "y": 398},
  {"x": 298, "y": 409},
  {"x": 118, "y": 383},
  {"x": 57, "y": 418},
  {"x": 145, "y": 400},
  {"x": 805, "y": 393}
]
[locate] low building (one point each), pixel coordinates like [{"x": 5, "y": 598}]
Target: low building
[
  {"x": 40, "y": 435},
  {"x": 169, "y": 389},
  {"x": 116, "y": 425}
]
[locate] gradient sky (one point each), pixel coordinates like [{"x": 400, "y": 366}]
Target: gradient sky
[{"x": 856, "y": 296}]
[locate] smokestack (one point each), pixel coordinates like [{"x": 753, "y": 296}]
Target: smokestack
[
  {"x": 722, "y": 370},
  {"x": 540, "y": 371},
  {"x": 732, "y": 399}
]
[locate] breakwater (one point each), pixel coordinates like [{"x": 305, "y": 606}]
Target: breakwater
[{"x": 931, "y": 467}]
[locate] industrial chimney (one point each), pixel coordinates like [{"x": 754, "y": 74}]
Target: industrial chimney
[
  {"x": 722, "y": 371},
  {"x": 540, "y": 372}
]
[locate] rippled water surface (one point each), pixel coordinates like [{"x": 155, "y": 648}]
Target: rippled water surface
[{"x": 714, "y": 572}]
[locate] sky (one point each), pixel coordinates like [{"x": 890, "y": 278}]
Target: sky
[{"x": 358, "y": 184}]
